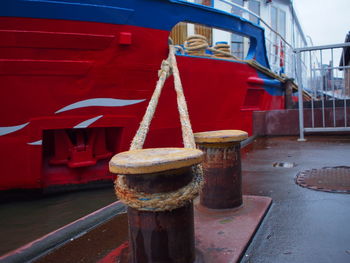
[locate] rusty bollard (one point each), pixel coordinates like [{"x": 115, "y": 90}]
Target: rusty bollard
[
  {"x": 288, "y": 98},
  {"x": 160, "y": 216},
  {"x": 222, "y": 168}
]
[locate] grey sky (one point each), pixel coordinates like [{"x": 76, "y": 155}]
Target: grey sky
[{"x": 325, "y": 21}]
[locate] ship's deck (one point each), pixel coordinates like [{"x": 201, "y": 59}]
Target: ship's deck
[{"x": 302, "y": 225}]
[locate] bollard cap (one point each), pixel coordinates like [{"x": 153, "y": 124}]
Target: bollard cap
[
  {"x": 221, "y": 136},
  {"x": 154, "y": 160},
  {"x": 221, "y": 42}
]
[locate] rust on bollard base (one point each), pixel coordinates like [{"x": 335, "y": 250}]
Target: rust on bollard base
[
  {"x": 162, "y": 236},
  {"x": 222, "y": 168},
  {"x": 121, "y": 255},
  {"x": 159, "y": 231}
]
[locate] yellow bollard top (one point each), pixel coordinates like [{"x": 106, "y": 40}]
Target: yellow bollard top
[
  {"x": 154, "y": 160},
  {"x": 221, "y": 136}
]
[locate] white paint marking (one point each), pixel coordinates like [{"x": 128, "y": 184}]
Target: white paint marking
[
  {"x": 10, "y": 129},
  {"x": 100, "y": 102},
  {"x": 87, "y": 123},
  {"x": 39, "y": 142}
]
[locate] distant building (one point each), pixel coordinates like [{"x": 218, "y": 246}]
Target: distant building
[{"x": 345, "y": 61}]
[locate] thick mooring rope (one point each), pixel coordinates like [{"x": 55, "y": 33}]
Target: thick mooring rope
[
  {"x": 222, "y": 50},
  {"x": 140, "y": 136},
  {"x": 223, "y": 54},
  {"x": 169, "y": 200},
  {"x": 197, "y": 44},
  {"x": 223, "y": 47},
  {"x": 187, "y": 133}
]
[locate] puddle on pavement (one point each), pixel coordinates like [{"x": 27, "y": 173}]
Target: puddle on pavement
[{"x": 284, "y": 164}]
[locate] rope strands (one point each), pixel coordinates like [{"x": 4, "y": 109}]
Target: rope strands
[
  {"x": 152, "y": 163},
  {"x": 222, "y": 50},
  {"x": 196, "y": 45},
  {"x": 174, "y": 199},
  {"x": 160, "y": 201},
  {"x": 187, "y": 133},
  {"x": 139, "y": 139},
  {"x": 224, "y": 54}
]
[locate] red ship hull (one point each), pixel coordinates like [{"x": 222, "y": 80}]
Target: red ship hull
[{"x": 74, "y": 92}]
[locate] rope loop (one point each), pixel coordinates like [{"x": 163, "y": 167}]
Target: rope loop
[
  {"x": 160, "y": 201},
  {"x": 175, "y": 199}
]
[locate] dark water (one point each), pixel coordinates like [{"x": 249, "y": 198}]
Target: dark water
[
  {"x": 30, "y": 218},
  {"x": 26, "y": 220}
]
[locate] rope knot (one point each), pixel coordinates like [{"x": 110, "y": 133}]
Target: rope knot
[{"x": 166, "y": 68}]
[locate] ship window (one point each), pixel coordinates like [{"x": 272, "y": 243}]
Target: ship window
[
  {"x": 204, "y": 2},
  {"x": 274, "y": 18},
  {"x": 239, "y": 46},
  {"x": 282, "y": 23},
  {"x": 278, "y": 23},
  {"x": 239, "y": 43},
  {"x": 235, "y": 10},
  {"x": 254, "y": 6},
  {"x": 278, "y": 20}
]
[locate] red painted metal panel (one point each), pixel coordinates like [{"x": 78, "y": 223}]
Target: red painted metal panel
[
  {"x": 60, "y": 40},
  {"x": 40, "y": 78},
  {"x": 43, "y": 67}
]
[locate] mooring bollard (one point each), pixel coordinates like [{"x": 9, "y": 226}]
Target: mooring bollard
[
  {"x": 222, "y": 168},
  {"x": 288, "y": 97},
  {"x": 158, "y": 185}
]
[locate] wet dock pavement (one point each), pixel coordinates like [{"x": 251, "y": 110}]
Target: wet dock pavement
[{"x": 302, "y": 225}]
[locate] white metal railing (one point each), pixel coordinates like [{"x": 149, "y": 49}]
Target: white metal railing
[
  {"x": 256, "y": 16},
  {"x": 280, "y": 52},
  {"x": 328, "y": 109}
]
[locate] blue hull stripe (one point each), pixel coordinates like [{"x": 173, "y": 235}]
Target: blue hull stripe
[
  {"x": 157, "y": 14},
  {"x": 272, "y": 86},
  {"x": 66, "y": 10}
]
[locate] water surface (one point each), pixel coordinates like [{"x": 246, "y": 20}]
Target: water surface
[{"x": 26, "y": 220}]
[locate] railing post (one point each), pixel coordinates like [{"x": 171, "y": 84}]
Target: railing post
[
  {"x": 300, "y": 97},
  {"x": 161, "y": 230},
  {"x": 222, "y": 168}
]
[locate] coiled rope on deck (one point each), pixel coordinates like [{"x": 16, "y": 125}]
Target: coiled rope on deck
[
  {"x": 222, "y": 50},
  {"x": 198, "y": 44},
  {"x": 169, "y": 200}
]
